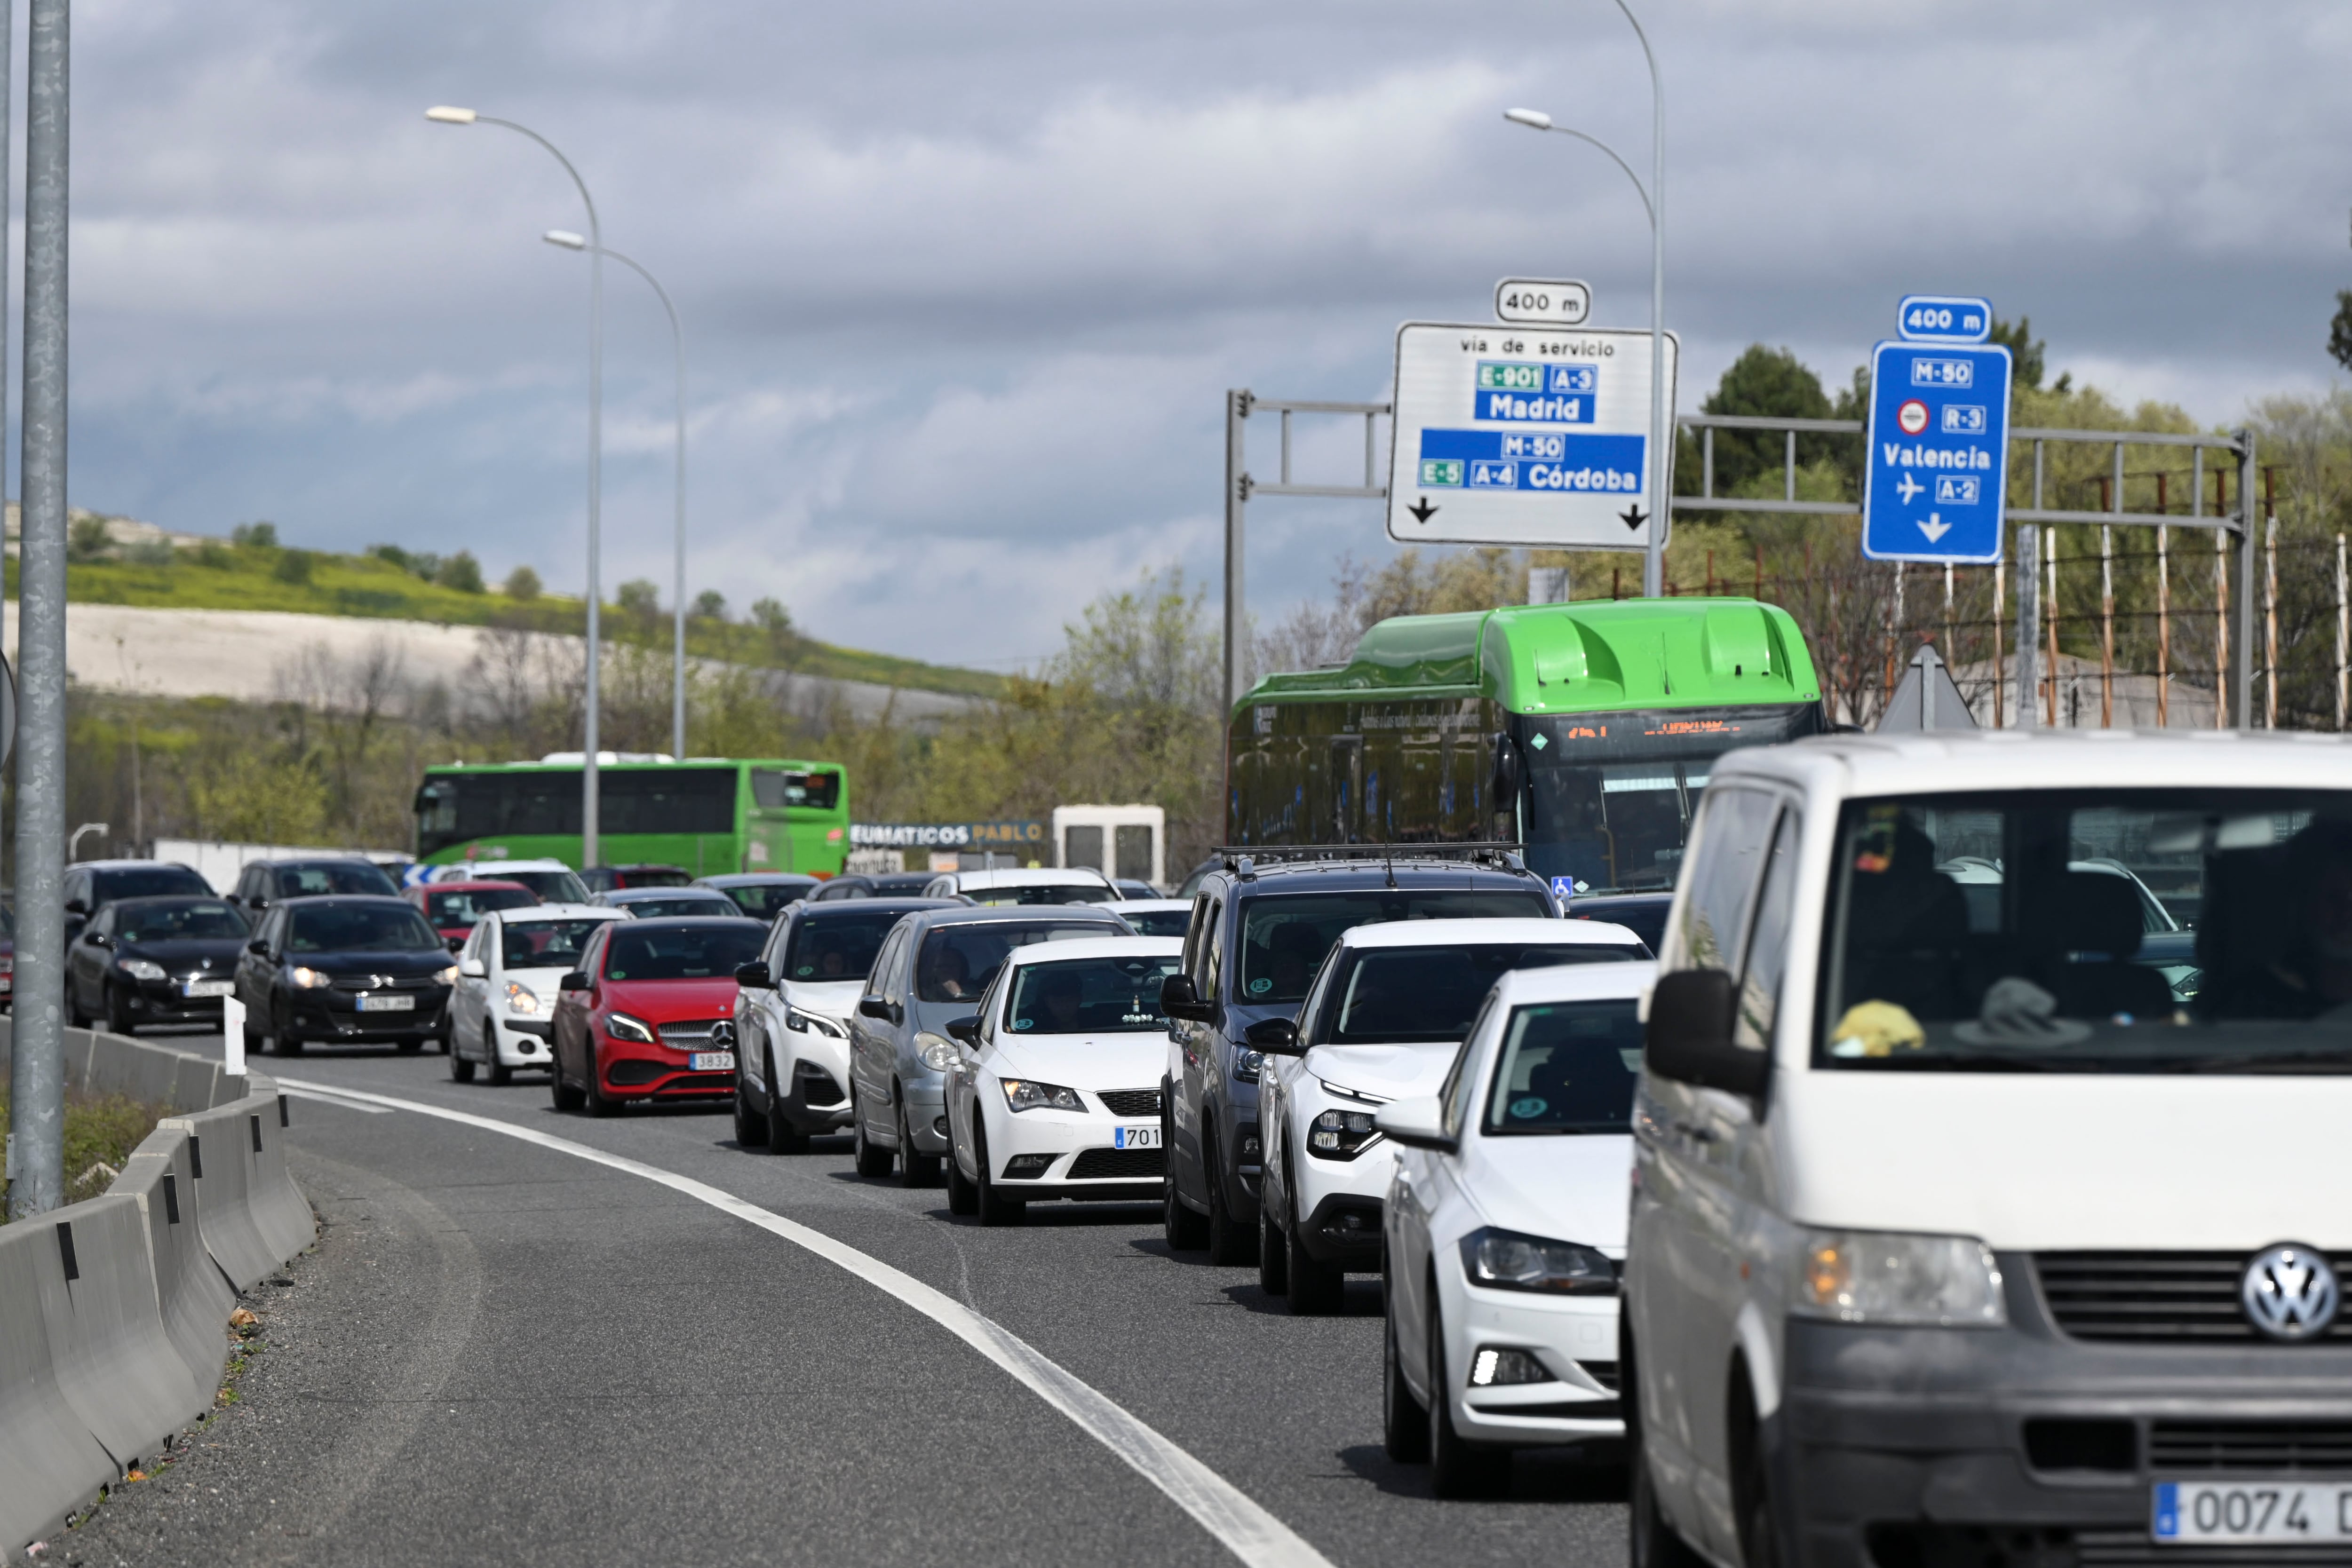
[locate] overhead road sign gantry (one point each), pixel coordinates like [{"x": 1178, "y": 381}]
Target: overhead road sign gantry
[
  {"x": 1523, "y": 436},
  {"x": 1937, "y": 452}
]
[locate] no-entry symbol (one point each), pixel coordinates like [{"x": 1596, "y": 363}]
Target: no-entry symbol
[{"x": 1913, "y": 417}]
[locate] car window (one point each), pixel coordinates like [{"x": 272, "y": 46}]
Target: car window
[
  {"x": 197, "y": 920},
  {"x": 1090, "y": 996},
  {"x": 1767, "y": 942},
  {"x": 1157, "y": 922},
  {"x": 360, "y": 928},
  {"x": 351, "y": 876},
  {"x": 665, "y": 952},
  {"x": 830, "y": 947},
  {"x": 546, "y": 943},
  {"x": 1284, "y": 936},
  {"x": 553, "y": 886},
  {"x": 884, "y": 981},
  {"x": 1394, "y": 996},
  {"x": 1565, "y": 1067},
  {"x": 958, "y": 961},
  {"x": 664, "y": 906},
  {"x": 1212, "y": 954},
  {"x": 1734, "y": 830},
  {"x": 1454, "y": 1095},
  {"x": 1041, "y": 893},
  {"x": 765, "y": 901},
  {"x": 146, "y": 881},
  {"x": 465, "y": 906}
]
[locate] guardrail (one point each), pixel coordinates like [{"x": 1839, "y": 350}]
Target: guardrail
[{"x": 112, "y": 1311}]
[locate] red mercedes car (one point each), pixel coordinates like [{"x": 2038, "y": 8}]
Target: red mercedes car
[
  {"x": 650, "y": 1013},
  {"x": 455, "y": 908}
]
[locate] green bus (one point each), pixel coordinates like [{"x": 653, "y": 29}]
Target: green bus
[
  {"x": 708, "y": 815},
  {"x": 1582, "y": 732}
]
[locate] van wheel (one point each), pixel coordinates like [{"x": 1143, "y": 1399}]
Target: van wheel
[
  {"x": 870, "y": 1161},
  {"x": 1651, "y": 1542},
  {"x": 1317, "y": 1290},
  {"x": 1273, "y": 1255},
  {"x": 1228, "y": 1244},
  {"x": 1404, "y": 1422},
  {"x": 1458, "y": 1467},
  {"x": 1186, "y": 1231}
]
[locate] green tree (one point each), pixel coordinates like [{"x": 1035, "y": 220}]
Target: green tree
[
  {"x": 640, "y": 597},
  {"x": 260, "y": 536},
  {"x": 710, "y": 605},
  {"x": 89, "y": 538},
  {"x": 245, "y": 796},
  {"x": 2029, "y": 357},
  {"x": 293, "y": 566},
  {"x": 522, "y": 585},
  {"x": 460, "y": 572},
  {"x": 1763, "y": 382},
  {"x": 2340, "y": 330}
]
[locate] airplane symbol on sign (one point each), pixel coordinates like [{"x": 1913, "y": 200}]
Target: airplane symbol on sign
[
  {"x": 1909, "y": 488},
  {"x": 1935, "y": 528}
]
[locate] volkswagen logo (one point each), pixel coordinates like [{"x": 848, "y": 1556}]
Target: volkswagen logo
[{"x": 2289, "y": 1292}]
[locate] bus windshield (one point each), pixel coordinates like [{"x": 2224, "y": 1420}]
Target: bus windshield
[{"x": 1609, "y": 796}]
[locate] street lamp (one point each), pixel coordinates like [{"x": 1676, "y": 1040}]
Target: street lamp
[
  {"x": 570, "y": 241},
  {"x": 446, "y": 114},
  {"x": 1654, "y": 202}
]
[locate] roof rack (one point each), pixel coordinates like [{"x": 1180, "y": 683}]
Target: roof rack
[{"x": 1503, "y": 854}]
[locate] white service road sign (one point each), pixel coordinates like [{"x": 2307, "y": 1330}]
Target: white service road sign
[{"x": 1523, "y": 436}]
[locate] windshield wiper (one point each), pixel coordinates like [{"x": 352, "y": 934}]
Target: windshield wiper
[
  {"x": 1955, "y": 1061},
  {"x": 2287, "y": 1061}
]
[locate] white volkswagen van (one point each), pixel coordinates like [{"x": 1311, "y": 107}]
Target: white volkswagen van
[{"x": 1979, "y": 1216}]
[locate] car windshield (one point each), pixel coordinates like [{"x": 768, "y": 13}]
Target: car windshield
[
  {"x": 1395, "y": 995},
  {"x": 553, "y": 886},
  {"x": 467, "y": 905},
  {"x": 2081, "y": 931},
  {"x": 958, "y": 961},
  {"x": 666, "y": 905},
  {"x": 654, "y": 876},
  {"x": 1090, "y": 996},
  {"x": 1645, "y": 918},
  {"x": 145, "y": 883},
  {"x": 828, "y": 948},
  {"x": 196, "y": 920},
  {"x": 1041, "y": 893},
  {"x": 1284, "y": 937},
  {"x": 360, "y": 928},
  {"x": 1159, "y": 922},
  {"x": 1567, "y": 1067},
  {"x": 333, "y": 877},
  {"x": 712, "y": 952},
  {"x": 766, "y": 900},
  {"x": 546, "y": 944}
]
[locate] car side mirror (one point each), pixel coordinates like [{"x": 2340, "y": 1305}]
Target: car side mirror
[
  {"x": 965, "y": 1028},
  {"x": 453, "y": 942},
  {"x": 1417, "y": 1124},
  {"x": 1275, "y": 1036},
  {"x": 874, "y": 1007},
  {"x": 100, "y": 939},
  {"x": 473, "y": 968},
  {"x": 573, "y": 980},
  {"x": 754, "y": 977},
  {"x": 1689, "y": 1035},
  {"x": 1178, "y": 999},
  {"x": 76, "y": 906},
  {"x": 257, "y": 947}
]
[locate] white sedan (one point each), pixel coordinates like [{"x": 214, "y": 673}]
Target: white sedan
[
  {"x": 1383, "y": 1020},
  {"x": 502, "y": 1011},
  {"x": 1505, "y": 1230},
  {"x": 1052, "y": 1093}
]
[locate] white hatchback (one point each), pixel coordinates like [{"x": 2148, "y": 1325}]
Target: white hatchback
[
  {"x": 1025, "y": 885},
  {"x": 1054, "y": 1092},
  {"x": 1506, "y": 1228},
  {"x": 1383, "y": 1020},
  {"x": 502, "y": 1011}
]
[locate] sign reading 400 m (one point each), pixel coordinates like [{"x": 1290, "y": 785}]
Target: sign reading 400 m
[{"x": 1522, "y": 435}]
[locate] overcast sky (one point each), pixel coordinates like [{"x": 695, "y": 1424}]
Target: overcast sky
[{"x": 963, "y": 285}]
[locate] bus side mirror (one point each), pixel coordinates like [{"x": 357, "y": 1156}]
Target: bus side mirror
[
  {"x": 1503, "y": 784},
  {"x": 1689, "y": 1034}
]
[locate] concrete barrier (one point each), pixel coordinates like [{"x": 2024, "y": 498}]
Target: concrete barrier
[
  {"x": 224, "y": 1182},
  {"x": 280, "y": 1213},
  {"x": 49, "y": 1462},
  {"x": 114, "y": 1363},
  {"x": 193, "y": 1296}
]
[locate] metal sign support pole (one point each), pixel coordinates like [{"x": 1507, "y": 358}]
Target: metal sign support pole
[
  {"x": 1237, "y": 407},
  {"x": 2029, "y": 623},
  {"x": 2243, "y": 673}
]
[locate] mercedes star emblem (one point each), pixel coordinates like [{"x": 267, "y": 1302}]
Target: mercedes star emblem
[{"x": 2290, "y": 1292}]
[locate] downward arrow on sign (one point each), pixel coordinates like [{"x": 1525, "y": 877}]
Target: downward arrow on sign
[{"x": 1935, "y": 528}]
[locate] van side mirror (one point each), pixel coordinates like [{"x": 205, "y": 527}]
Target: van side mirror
[
  {"x": 472, "y": 968},
  {"x": 1178, "y": 999},
  {"x": 1417, "y": 1124},
  {"x": 965, "y": 1028},
  {"x": 257, "y": 947},
  {"x": 1275, "y": 1036},
  {"x": 1689, "y": 1036},
  {"x": 1503, "y": 783},
  {"x": 754, "y": 977}
]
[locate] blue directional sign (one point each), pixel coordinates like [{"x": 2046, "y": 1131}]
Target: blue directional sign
[
  {"x": 1945, "y": 319},
  {"x": 1937, "y": 469}
]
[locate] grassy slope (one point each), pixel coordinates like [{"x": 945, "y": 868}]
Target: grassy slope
[{"x": 230, "y": 577}]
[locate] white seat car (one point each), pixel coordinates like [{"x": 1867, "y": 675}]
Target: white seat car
[
  {"x": 1076, "y": 885},
  {"x": 792, "y": 1018},
  {"x": 1506, "y": 1228},
  {"x": 550, "y": 879},
  {"x": 1154, "y": 917},
  {"x": 1383, "y": 1020},
  {"x": 1054, "y": 1094},
  {"x": 502, "y": 1010}
]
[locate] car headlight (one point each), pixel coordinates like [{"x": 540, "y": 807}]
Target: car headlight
[
  {"x": 813, "y": 1024},
  {"x": 1027, "y": 1095},
  {"x": 1508, "y": 1261},
  {"x": 1247, "y": 1064},
  {"x": 141, "y": 969},
  {"x": 1340, "y": 1134},
  {"x": 621, "y": 1026},
  {"x": 937, "y": 1053},
  {"x": 308, "y": 980},
  {"x": 521, "y": 998},
  {"x": 1885, "y": 1277},
  {"x": 447, "y": 977}
]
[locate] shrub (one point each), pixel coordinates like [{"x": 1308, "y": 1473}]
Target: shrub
[
  {"x": 152, "y": 552},
  {"x": 89, "y": 538},
  {"x": 522, "y": 585},
  {"x": 460, "y": 572},
  {"x": 294, "y": 566},
  {"x": 260, "y": 536},
  {"x": 710, "y": 605},
  {"x": 214, "y": 556}
]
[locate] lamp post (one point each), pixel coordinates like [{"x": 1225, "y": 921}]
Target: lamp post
[
  {"x": 1654, "y": 201},
  {"x": 571, "y": 241},
  {"x": 444, "y": 114}
]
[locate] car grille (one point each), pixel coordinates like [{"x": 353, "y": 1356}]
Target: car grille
[
  {"x": 633, "y": 1071},
  {"x": 1130, "y": 1101},
  {"x": 2142, "y": 1296},
  {"x": 1131, "y": 1164},
  {"x": 2262, "y": 1446},
  {"x": 695, "y": 1034},
  {"x": 817, "y": 1086},
  {"x": 350, "y": 983},
  {"x": 1604, "y": 1372}
]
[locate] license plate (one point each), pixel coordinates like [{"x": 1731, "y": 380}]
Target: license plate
[
  {"x": 2253, "y": 1512},
  {"x": 209, "y": 989},
  {"x": 710, "y": 1061},
  {"x": 1135, "y": 1137},
  {"x": 388, "y": 1004}
]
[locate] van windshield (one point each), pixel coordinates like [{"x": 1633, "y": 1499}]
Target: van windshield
[{"x": 2108, "y": 931}]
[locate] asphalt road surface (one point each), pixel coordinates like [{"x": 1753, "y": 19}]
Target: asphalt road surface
[{"x": 503, "y": 1350}]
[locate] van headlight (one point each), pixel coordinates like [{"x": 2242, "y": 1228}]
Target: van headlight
[
  {"x": 1340, "y": 1134},
  {"x": 1884, "y": 1277}
]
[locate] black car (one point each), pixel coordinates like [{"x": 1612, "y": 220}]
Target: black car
[
  {"x": 881, "y": 884},
  {"x": 348, "y": 970},
  {"x": 763, "y": 894},
  {"x": 154, "y": 960},
  {"x": 1643, "y": 913},
  {"x": 264, "y": 883},
  {"x": 1261, "y": 925},
  {"x": 92, "y": 886},
  {"x": 613, "y": 878}
]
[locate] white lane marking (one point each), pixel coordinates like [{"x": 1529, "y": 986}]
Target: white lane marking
[
  {"x": 1246, "y": 1529},
  {"x": 334, "y": 1097}
]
